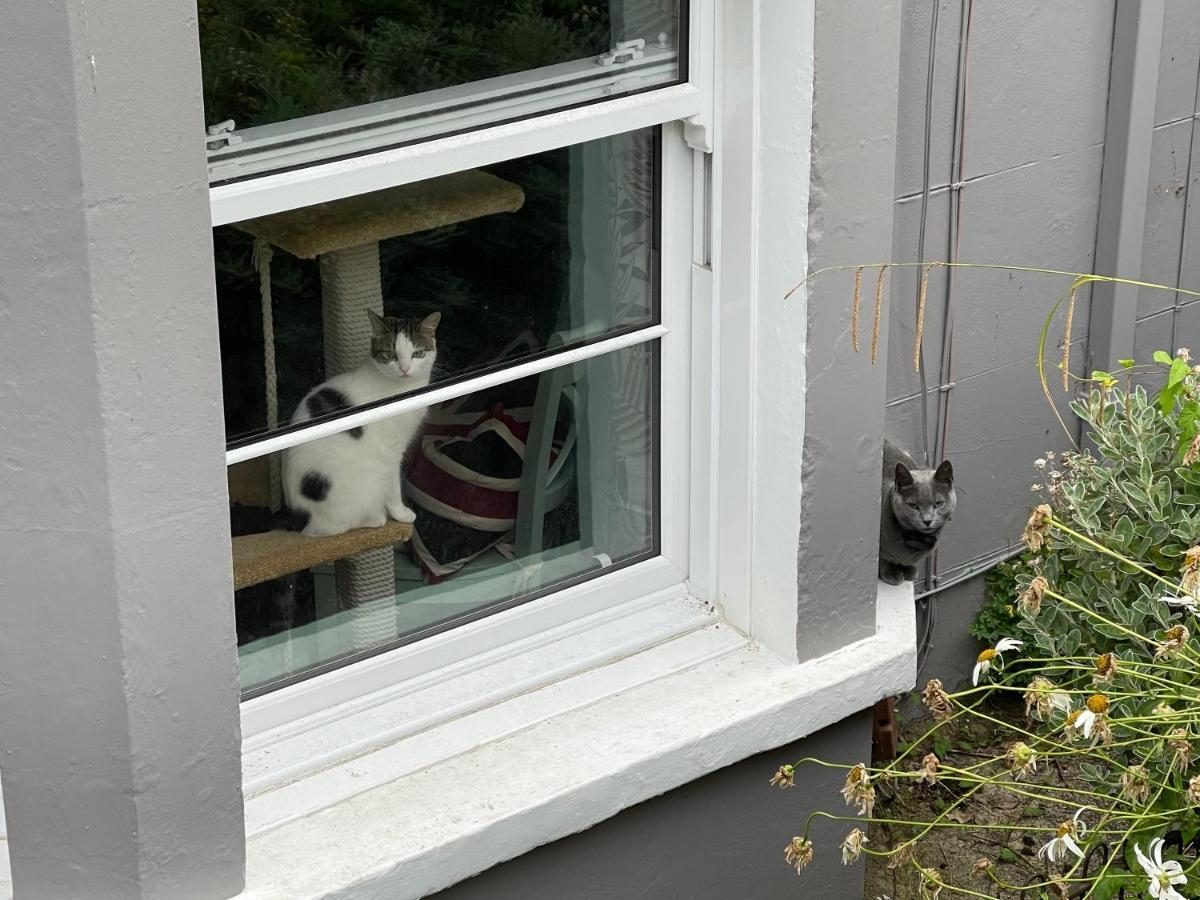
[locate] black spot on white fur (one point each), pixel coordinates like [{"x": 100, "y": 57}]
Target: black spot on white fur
[
  {"x": 328, "y": 400},
  {"x": 314, "y": 486}
]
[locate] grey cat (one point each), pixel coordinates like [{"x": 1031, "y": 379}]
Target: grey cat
[{"x": 917, "y": 503}]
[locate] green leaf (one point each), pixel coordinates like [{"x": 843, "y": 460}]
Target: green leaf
[
  {"x": 1179, "y": 371},
  {"x": 1161, "y": 356},
  {"x": 1126, "y": 363}
]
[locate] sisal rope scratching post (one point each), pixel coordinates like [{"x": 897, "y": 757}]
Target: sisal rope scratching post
[
  {"x": 344, "y": 237},
  {"x": 366, "y": 582}
]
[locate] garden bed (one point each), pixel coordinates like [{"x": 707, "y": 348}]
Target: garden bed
[{"x": 955, "y": 852}]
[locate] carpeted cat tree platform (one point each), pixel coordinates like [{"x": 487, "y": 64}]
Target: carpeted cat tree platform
[{"x": 344, "y": 237}]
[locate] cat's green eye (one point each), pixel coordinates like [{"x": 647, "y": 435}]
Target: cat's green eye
[
  {"x": 914, "y": 506},
  {"x": 940, "y": 504},
  {"x": 417, "y": 354}
]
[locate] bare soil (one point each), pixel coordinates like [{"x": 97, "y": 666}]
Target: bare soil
[{"x": 954, "y": 852}]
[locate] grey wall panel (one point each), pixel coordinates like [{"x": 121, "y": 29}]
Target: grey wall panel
[
  {"x": 1038, "y": 81},
  {"x": 999, "y": 424},
  {"x": 1189, "y": 262},
  {"x": 902, "y": 293},
  {"x": 1153, "y": 333},
  {"x": 916, "y": 17},
  {"x": 719, "y": 837},
  {"x": 1039, "y": 215},
  {"x": 1187, "y": 329},
  {"x": 1180, "y": 61},
  {"x": 1161, "y": 246}
]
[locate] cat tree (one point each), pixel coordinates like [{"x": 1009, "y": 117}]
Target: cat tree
[{"x": 343, "y": 236}]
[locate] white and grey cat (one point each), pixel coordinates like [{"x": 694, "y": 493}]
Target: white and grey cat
[
  {"x": 352, "y": 479},
  {"x": 917, "y": 503}
]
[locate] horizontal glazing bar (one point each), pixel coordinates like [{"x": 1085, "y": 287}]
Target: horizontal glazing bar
[
  {"x": 389, "y": 123},
  {"x": 253, "y": 197},
  {"x": 408, "y": 403}
]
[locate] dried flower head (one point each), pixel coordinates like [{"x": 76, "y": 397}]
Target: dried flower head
[
  {"x": 1181, "y": 749},
  {"x": 982, "y": 866},
  {"x": 1193, "y": 451},
  {"x": 1175, "y": 638},
  {"x": 931, "y": 884},
  {"x": 1039, "y": 464},
  {"x": 1037, "y": 527},
  {"x": 852, "y": 846},
  {"x": 858, "y": 791},
  {"x": 1042, "y": 697},
  {"x": 929, "y": 769},
  {"x": 785, "y": 777},
  {"x": 1106, "y": 668},
  {"x": 1029, "y": 601},
  {"x": 1135, "y": 784},
  {"x": 798, "y": 853},
  {"x": 1184, "y": 353},
  {"x": 937, "y": 700},
  {"x": 1021, "y": 759},
  {"x": 1192, "y": 794},
  {"x": 901, "y": 856},
  {"x": 1190, "y": 573}
]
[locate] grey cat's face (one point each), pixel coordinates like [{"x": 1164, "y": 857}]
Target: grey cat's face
[
  {"x": 924, "y": 499},
  {"x": 404, "y": 348}
]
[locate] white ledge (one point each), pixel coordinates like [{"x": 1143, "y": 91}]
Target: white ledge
[{"x": 669, "y": 722}]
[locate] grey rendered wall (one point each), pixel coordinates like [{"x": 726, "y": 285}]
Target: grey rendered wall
[
  {"x": 717, "y": 838},
  {"x": 1037, "y": 103},
  {"x": 120, "y": 740},
  {"x": 1171, "y": 252}
]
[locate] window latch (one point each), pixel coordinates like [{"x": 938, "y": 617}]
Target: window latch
[
  {"x": 221, "y": 135},
  {"x": 623, "y": 52}
]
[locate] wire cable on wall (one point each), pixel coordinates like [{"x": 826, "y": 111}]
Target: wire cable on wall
[{"x": 927, "y": 605}]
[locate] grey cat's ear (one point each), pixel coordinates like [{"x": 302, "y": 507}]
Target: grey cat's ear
[
  {"x": 903, "y": 476},
  {"x": 945, "y": 473},
  {"x": 429, "y": 324},
  {"x": 379, "y": 327}
]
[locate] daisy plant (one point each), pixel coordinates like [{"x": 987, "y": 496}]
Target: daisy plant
[{"x": 1127, "y": 721}]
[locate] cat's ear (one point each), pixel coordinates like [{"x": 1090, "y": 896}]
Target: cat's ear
[
  {"x": 944, "y": 474},
  {"x": 379, "y": 328},
  {"x": 428, "y": 325},
  {"x": 903, "y": 476}
]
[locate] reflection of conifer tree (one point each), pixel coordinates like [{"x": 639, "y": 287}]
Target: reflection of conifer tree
[{"x": 269, "y": 60}]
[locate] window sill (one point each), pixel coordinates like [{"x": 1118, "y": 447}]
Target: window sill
[{"x": 556, "y": 760}]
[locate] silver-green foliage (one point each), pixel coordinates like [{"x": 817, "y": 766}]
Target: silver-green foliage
[{"x": 1136, "y": 489}]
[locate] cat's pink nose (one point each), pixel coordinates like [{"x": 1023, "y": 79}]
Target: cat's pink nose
[{"x": 404, "y": 368}]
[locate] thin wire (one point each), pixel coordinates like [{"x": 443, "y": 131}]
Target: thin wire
[
  {"x": 925, "y": 186},
  {"x": 946, "y": 362}
]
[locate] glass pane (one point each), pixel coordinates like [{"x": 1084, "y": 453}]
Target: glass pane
[
  {"x": 534, "y": 253},
  {"x": 516, "y": 489},
  {"x": 307, "y": 81}
]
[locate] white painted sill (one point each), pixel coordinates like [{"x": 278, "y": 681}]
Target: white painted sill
[{"x": 433, "y": 808}]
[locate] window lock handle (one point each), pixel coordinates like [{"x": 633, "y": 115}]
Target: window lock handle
[{"x": 623, "y": 52}]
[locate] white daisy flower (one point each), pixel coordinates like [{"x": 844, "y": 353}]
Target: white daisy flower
[
  {"x": 1163, "y": 875},
  {"x": 1063, "y": 842},
  {"x": 992, "y": 657}
]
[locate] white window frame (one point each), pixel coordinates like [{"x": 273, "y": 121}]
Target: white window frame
[
  {"x": 684, "y": 111},
  {"x": 318, "y": 698},
  {"x": 643, "y": 679}
]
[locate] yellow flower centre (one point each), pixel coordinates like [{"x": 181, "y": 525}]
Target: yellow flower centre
[
  {"x": 1073, "y": 717},
  {"x": 1066, "y": 828},
  {"x": 1097, "y": 703},
  {"x": 987, "y": 655},
  {"x": 1175, "y": 633},
  {"x": 1103, "y": 661}
]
